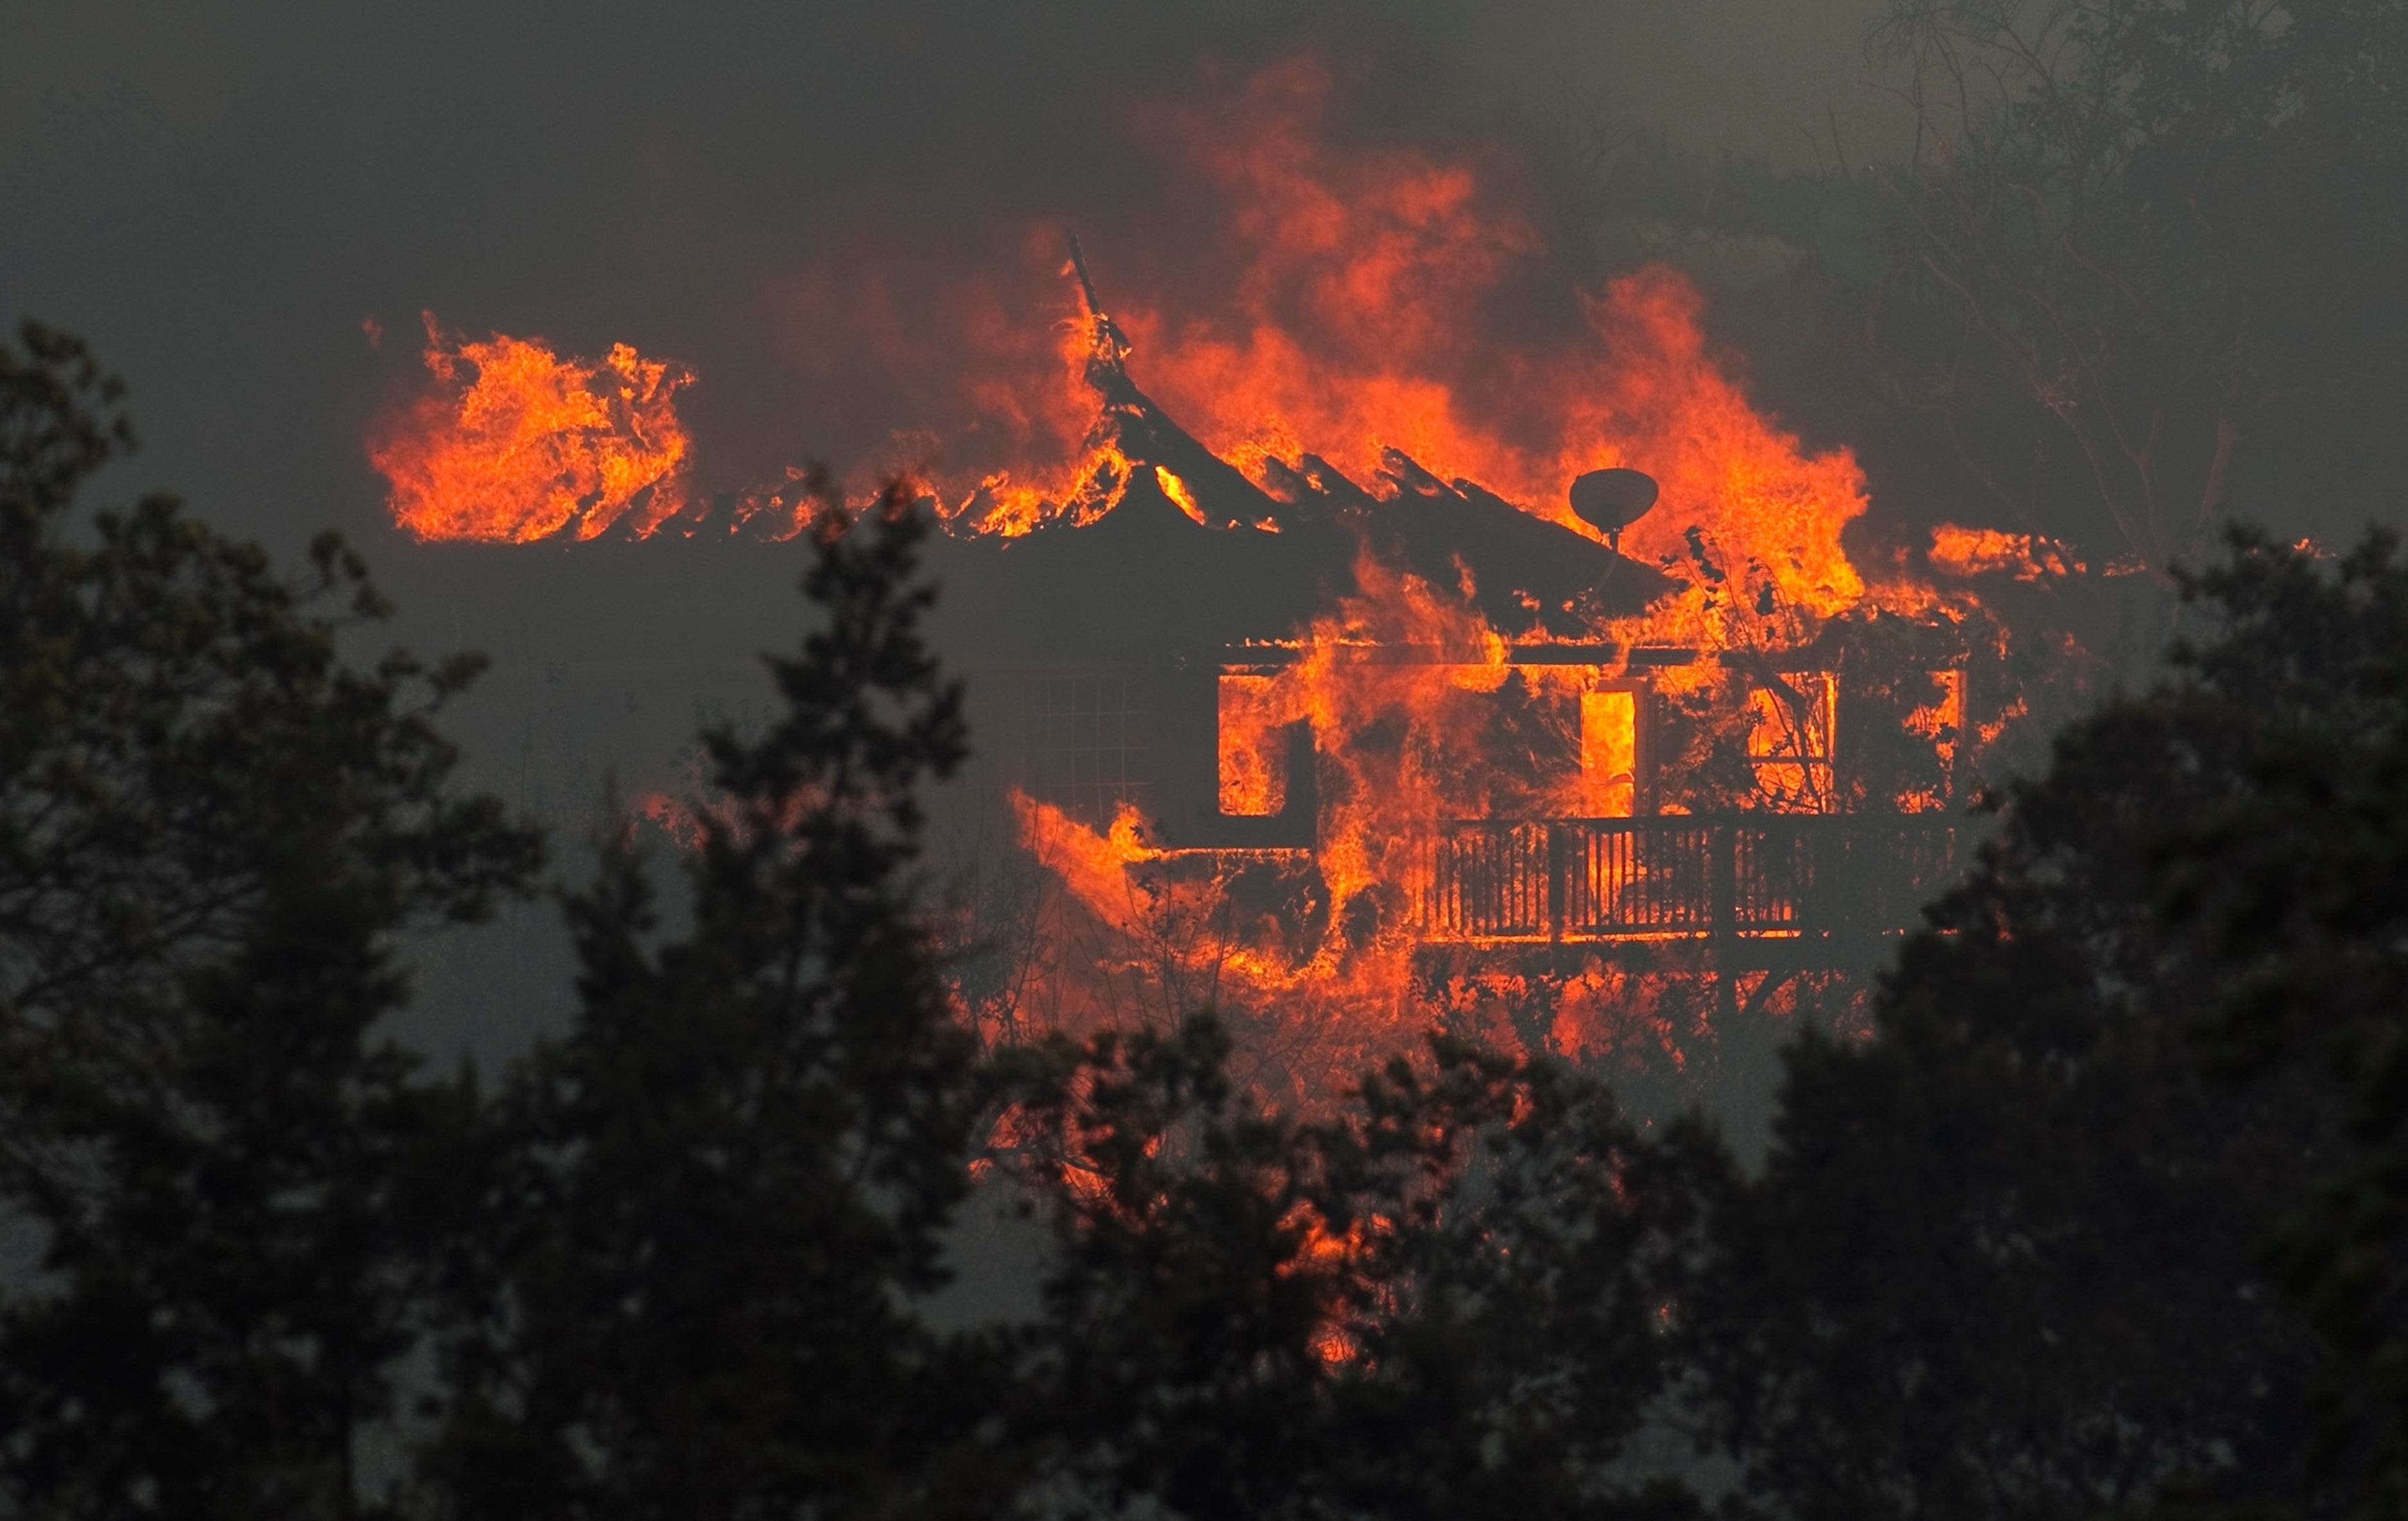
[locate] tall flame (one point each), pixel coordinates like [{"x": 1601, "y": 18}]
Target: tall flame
[
  {"x": 513, "y": 443},
  {"x": 1356, "y": 304}
]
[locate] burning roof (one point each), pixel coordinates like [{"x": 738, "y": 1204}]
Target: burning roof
[
  {"x": 1187, "y": 552},
  {"x": 1349, "y": 336}
]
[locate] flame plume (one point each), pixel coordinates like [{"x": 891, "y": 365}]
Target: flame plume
[
  {"x": 515, "y": 443},
  {"x": 1352, "y": 321}
]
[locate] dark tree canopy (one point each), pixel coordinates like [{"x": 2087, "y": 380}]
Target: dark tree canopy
[
  {"x": 719, "y": 1196},
  {"x": 212, "y": 826},
  {"x": 2295, "y": 885},
  {"x": 1448, "y": 1300},
  {"x": 2008, "y": 1257}
]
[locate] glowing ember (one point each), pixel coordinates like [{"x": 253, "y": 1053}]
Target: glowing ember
[
  {"x": 1940, "y": 723},
  {"x": 516, "y": 443},
  {"x": 1789, "y": 740},
  {"x": 1180, "y": 497},
  {"x": 1093, "y": 867}
]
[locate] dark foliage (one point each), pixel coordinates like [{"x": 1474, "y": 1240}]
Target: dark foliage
[
  {"x": 2296, "y": 884},
  {"x": 210, "y": 827},
  {"x": 1448, "y": 1300},
  {"x": 2006, "y": 1256},
  {"x": 2146, "y": 257},
  {"x": 718, "y": 1195}
]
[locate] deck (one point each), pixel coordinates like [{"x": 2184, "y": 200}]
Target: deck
[{"x": 1766, "y": 877}]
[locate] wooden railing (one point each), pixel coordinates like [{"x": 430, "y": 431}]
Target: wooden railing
[{"x": 1683, "y": 876}]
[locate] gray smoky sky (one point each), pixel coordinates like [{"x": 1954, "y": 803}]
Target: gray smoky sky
[{"x": 218, "y": 195}]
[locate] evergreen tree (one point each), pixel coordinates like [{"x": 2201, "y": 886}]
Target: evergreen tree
[
  {"x": 211, "y": 828},
  {"x": 2297, "y": 886},
  {"x": 722, "y": 1191},
  {"x": 1444, "y": 1301},
  {"x": 2004, "y": 1260}
]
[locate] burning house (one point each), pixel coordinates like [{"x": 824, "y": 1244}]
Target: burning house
[
  {"x": 1372, "y": 658},
  {"x": 1405, "y": 712}
]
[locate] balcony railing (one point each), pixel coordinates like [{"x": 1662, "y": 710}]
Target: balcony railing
[{"x": 1682, "y": 877}]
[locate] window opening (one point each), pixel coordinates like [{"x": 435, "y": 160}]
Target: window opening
[
  {"x": 1088, "y": 743},
  {"x": 1789, "y": 739},
  {"x": 1608, "y": 754},
  {"x": 1253, "y": 747}
]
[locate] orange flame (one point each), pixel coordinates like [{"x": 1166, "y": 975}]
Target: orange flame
[
  {"x": 1351, "y": 308},
  {"x": 1344, "y": 992},
  {"x": 1357, "y": 320},
  {"x": 515, "y": 443},
  {"x": 1974, "y": 552}
]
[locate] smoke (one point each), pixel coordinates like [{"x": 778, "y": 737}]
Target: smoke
[{"x": 219, "y": 199}]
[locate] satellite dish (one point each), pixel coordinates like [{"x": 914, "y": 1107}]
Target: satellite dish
[{"x": 1613, "y": 500}]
